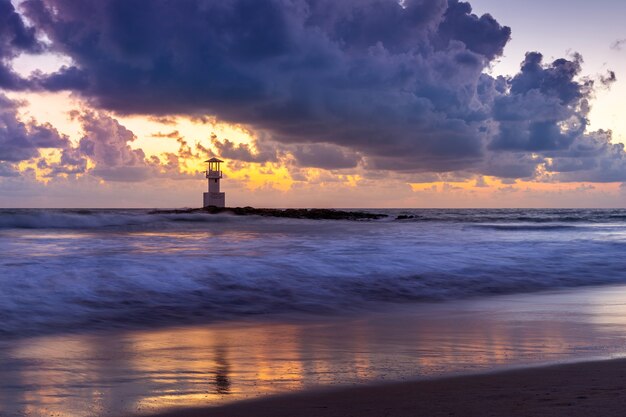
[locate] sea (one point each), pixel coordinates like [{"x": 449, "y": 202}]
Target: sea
[
  {"x": 90, "y": 270},
  {"x": 109, "y": 313}
]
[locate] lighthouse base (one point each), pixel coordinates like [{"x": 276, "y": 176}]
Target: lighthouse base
[{"x": 214, "y": 199}]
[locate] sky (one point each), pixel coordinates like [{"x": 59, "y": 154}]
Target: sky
[{"x": 313, "y": 103}]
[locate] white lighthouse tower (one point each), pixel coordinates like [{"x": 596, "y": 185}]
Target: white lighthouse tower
[{"x": 214, "y": 174}]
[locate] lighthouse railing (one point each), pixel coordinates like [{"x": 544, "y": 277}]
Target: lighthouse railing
[{"x": 213, "y": 174}]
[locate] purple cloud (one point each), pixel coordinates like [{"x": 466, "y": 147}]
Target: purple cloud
[
  {"x": 391, "y": 85},
  {"x": 15, "y": 38},
  {"x": 385, "y": 80},
  {"x": 20, "y": 141}
]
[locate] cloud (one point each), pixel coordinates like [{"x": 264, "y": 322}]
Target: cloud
[
  {"x": 106, "y": 141},
  {"x": 15, "y": 38},
  {"x": 243, "y": 151},
  {"x": 174, "y": 134},
  {"x": 325, "y": 156},
  {"x": 483, "y": 35},
  {"x": 383, "y": 84},
  {"x": 542, "y": 123},
  {"x": 21, "y": 141},
  {"x": 107, "y": 145},
  {"x": 608, "y": 79},
  {"x": 592, "y": 157},
  {"x": 618, "y": 45},
  {"x": 8, "y": 170},
  {"x": 480, "y": 182},
  {"x": 104, "y": 152},
  {"x": 398, "y": 83}
]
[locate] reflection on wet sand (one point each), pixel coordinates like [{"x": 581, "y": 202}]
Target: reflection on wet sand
[
  {"x": 222, "y": 383},
  {"x": 147, "y": 371}
]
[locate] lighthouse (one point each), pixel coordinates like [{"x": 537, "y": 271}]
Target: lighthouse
[{"x": 214, "y": 174}]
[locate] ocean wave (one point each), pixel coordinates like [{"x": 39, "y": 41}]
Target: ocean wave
[
  {"x": 97, "y": 219},
  {"x": 531, "y": 216},
  {"x": 148, "y": 219},
  {"x": 77, "y": 299},
  {"x": 527, "y": 227},
  {"x": 162, "y": 269}
]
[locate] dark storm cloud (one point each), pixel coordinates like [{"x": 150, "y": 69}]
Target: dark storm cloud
[
  {"x": 325, "y": 156},
  {"x": 243, "y": 151},
  {"x": 543, "y": 121},
  {"x": 592, "y": 157},
  {"x": 554, "y": 80},
  {"x": 15, "y": 38},
  {"x": 386, "y": 84},
  {"x": 483, "y": 35},
  {"x": 8, "y": 170},
  {"x": 390, "y": 81}
]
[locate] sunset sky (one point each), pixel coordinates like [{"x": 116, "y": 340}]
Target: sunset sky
[{"x": 325, "y": 103}]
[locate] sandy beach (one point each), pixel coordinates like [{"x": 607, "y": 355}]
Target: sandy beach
[
  {"x": 579, "y": 389},
  {"x": 368, "y": 364}
]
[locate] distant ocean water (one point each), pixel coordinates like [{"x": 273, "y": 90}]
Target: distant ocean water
[{"x": 82, "y": 270}]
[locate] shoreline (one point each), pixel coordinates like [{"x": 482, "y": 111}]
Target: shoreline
[
  {"x": 572, "y": 389},
  {"x": 226, "y": 366}
]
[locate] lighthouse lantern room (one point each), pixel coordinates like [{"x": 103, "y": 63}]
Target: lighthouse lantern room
[{"x": 214, "y": 197}]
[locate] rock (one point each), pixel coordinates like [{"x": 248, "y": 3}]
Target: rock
[{"x": 314, "y": 214}]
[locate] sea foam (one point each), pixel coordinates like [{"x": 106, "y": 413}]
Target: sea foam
[{"x": 84, "y": 270}]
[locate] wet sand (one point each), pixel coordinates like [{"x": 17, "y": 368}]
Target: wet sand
[
  {"x": 144, "y": 372},
  {"x": 581, "y": 389}
]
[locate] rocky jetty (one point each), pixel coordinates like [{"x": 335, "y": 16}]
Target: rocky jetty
[
  {"x": 405, "y": 217},
  {"x": 314, "y": 214}
]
